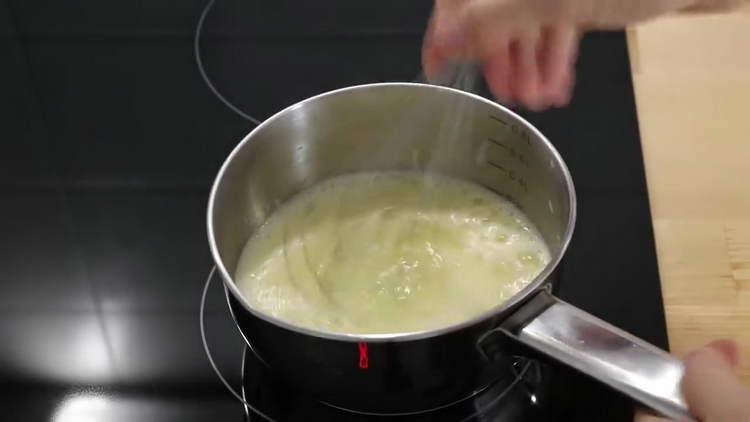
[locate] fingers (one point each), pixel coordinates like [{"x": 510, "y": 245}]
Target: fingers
[
  {"x": 535, "y": 69},
  {"x": 557, "y": 57},
  {"x": 544, "y": 72},
  {"x": 453, "y": 34},
  {"x": 522, "y": 61},
  {"x": 497, "y": 71},
  {"x": 444, "y": 39},
  {"x": 433, "y": 59},
  {"x": 526, "y": 70},
  {"x": 729, "y": 350},
  {"x": 712, "y": 391},
  {"x": 711, "y": 388},
  {"x": 450, "y": 32}
]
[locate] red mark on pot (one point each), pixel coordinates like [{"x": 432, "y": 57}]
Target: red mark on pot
[{"x": 364, "y": 361}]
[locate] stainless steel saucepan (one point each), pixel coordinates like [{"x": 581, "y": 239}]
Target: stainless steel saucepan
[{"x": 406, "y": 126}]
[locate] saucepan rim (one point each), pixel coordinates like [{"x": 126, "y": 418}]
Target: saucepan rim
[{"x": 401, "y": 336}]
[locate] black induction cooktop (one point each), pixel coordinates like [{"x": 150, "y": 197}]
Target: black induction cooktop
[
  {"x": 109, "y": 142},
  {"x": 521, "y": 393}
]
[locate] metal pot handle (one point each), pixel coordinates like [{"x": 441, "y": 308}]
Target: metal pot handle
[{"x": 598, "y": 349}]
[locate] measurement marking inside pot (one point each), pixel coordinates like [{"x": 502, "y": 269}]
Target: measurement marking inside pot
[
  {"x": 498, "y": 143},
  {"x": 497, "y": 166},
  {"x": 499, "y": 120},
  {"x": 500, "y": 194},
  {"x": 511, "y": 151}
]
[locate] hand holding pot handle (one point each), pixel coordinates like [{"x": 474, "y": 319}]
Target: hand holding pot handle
[
  {"x": 602, "y": 351},
  {"x": 712, "y": 389}
]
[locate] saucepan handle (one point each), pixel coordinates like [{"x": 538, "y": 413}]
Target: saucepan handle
[{"x": 608, "y": 354}]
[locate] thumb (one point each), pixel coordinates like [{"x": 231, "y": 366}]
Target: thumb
[
  {"x": 712, "y": 390},
  {"x": 444, "y": 39}
]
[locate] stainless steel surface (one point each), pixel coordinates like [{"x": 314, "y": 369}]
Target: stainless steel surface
[
  {"x": 612, "y": 356},
  {"x": 390, "y": 126},
  {"x": 209, "y": 355}
]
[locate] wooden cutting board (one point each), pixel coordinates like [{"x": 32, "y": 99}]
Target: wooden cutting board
[{"x": 692, "y": 84}]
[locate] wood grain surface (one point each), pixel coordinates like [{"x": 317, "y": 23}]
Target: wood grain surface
[{"x": 692, "y": 84}]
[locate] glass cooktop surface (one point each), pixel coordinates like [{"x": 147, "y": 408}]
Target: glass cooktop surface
[{"x": 111, "y": 139}]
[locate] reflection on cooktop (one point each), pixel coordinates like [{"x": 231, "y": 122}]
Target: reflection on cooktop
[{"x": 521, "y": 393}]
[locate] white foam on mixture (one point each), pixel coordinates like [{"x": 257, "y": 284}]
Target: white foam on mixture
[{"x": 389, "y": 253}]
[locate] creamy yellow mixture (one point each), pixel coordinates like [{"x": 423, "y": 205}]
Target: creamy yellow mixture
[{"x": 389, "y": 253}]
